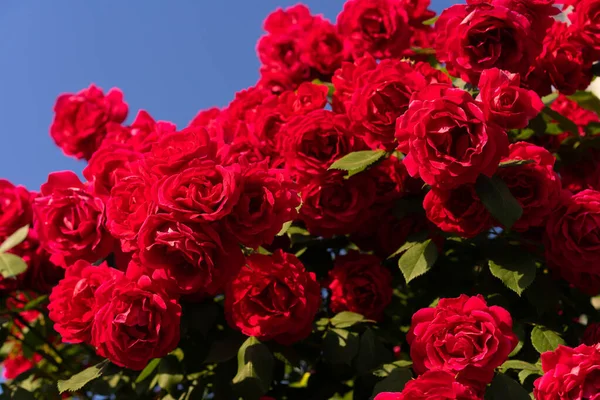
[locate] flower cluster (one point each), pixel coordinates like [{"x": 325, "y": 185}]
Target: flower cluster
[{"x": 380, "y": 199}]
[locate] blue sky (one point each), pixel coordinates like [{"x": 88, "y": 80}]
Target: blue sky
[{"x": 171, "y": 58}]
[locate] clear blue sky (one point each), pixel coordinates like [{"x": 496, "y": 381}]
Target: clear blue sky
[{"x": 170, "y": 57}]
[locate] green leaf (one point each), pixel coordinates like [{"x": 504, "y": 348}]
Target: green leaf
[
  {"x": 592, "y": 129},
  {"x": 284, "y": 228},
  {"x": 544, "y": 339},
  {"x": 386, "y": 369},
  {"x": 371, "y": 352},
  {"x": 358, "y": 161},
  {"x": 514, "y": 163},
  {"x": 346, "y": 319},
  {"x": 411, "y": 241},
  {"x": 498, "y": 200},
  {"x": 565, "y": 123},
  {"x": 526, "y": 373},
  {"x": 15, "y": 239},
  {"x": 549, "y": 99},
  {"x": 35, "y": 302},
  {"x": 169, "y": 372},
  {"x": 148, "y": 370},
  {"x": 515, "y": 269},
  {"x": 504, "y": 388},
  {"x": 587, "y": 100},
  {"x": 255, "y": 369},
  {"x": 431, "y": 21},
  {"x": 518, "y": 365},
  {"x": 79, "y": 380},
  {"x": 418, "y": 259},
  {"x": 340, "y": 346},
  {"x": 11, "y": 265},
  {"x": 394, "y": 382}
]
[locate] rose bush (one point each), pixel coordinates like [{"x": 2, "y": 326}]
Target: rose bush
[{"x": 402, "y": 207}]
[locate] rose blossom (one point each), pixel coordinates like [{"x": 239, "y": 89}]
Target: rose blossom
[
  {"x": 534, "y": 185},
  {"x": 378, "y": 27},
  {"x": 80, "y": 119},
  {"x": 505, "y": 102},
  {"x": 268, "y": 199},
  {"x": 447, "y": 139},
  {"x": 336, "y": 206},
  {"x": 135, "y": 322},
  {"x": 572, "y": 240},
  {"x": 472, "y": 38},
  {"x": 315, "y": 140},
  {"x": 570, "y": 373},
  {"x": 379, "y": 97},
  {"x": 191, "y": 258},
  {"x": 70, "y": 221},
  {"x": 463, "y": 336},
  {"x": 432, "y": 385},
  {"x": 73, "y": 301},
  {"x": 359, "y": 283},
  {"x": 458, "y": 211},
  {"x": 273, "y": 298}
]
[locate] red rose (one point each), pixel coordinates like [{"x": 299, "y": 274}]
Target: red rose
[
  {"x": 447, "y": 138},
  {"x": 135, "y": 322},
  {"x": 70, "y": 221},
  {"x": 273, "y": 298},
  {"x": 463, "y": 336},
  {"x": 315, "y": 140},
  {"x": 563, "y": 62},
  {"x": 535, "y": 185},
  {"x": 391, "y": 181},
  {"x": 281, "y": 49},
  {"x": 505, "y": 102},
  {"x": 16, "y": 362},
  {"x": 432, "y": 75},
  {"x": 570, "y": 374},
  {"x": 189, "y": 147},
  {"x": 458, "y": 211},
  {"x": 105, "y": 168},
  {"x": 80, "y": 119},
  {"x": 140, "y": 135},
  {"x": 129, "y": 205},
  {"x": 191, "y": 258},
  {"x": 307, "y": 98},
  {"x": 586, "y": 21},
  {"x": 206, "y": 192},
  {"x": 572, "y": 240},
  {"x": 15, "y": 208},
  {"x": 572, "y": 110},
  {"x": 73, "y": 301},
  {"x": 322, "y": 48},
  {"x": 337, "y": 206},
  {"x": 268, "y": 199},
  {"x": 41, "y": 274},
  {"x": 378, "y": 27},
  {"x": 345, "y": 81},
  {"x": 432, "y": 385},
  {"x": 380, "y": 96},
  {"x": 205, "y": 117},
  {"x": 473, "y": 38},
  {"x": 280, "y": 20},
  {"x": 591, "y": 336},
  {"x": 359, "y": 283}
]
